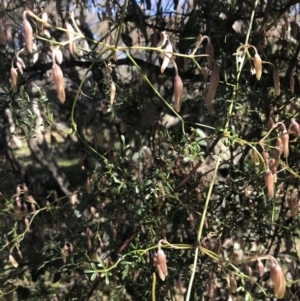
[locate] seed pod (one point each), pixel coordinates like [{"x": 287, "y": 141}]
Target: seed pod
[
  {"x": 270, "y": 123},
  {"x": 209, "y": 50},
  {"x": 276, "y": 80},
  {"x": 13, "y": 261},
  {"x": 233, "y": 285},
  {"x": 292, "y": 84},
  {"x": 112, "y": 93},
  {"x": 258, "y": 66},
  {"x": 167, "y": 57},
  {"x": 21, "y": 62},
  {"x": 178, "y": 91},
  {"x": 255, "y": 157},
  {"x": 14, "y": 79},
  {"x": 273, "y": 168},
  {"x": 19, "y": 67},
  {"x": 58, "y": 56},
  {"x": 260, "y": 268},
  {"x": 70, "y": 37},
  {"x": 295, "y": 126},
  {"x": 269, "y": 181},
  {"x": 161, "y": 264},
  {"x": 214, "y": 80},
  {"x": 59, "y": 82},
  {"x": 28, "y": 33},
  {"x": 278, "y": 279},
  {"x": 285, "y": 142}
]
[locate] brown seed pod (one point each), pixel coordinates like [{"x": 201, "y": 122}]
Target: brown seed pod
[
  {"x": 28, "y": 33},
  {"x": 278, "y": 279},
  {"x": 292, "y": 84},
  {"x": 276, "y": 80},
  {"x": 14, "y": 79},
  {"x": 178, "y": 91},
  {"x": 70, "y": 37},
  {"x": 285, "y": 142},
  {"x": 258, "y": 66},
  {"x": 269, "y": 181},
  {"x": 167, "y": 57},
  {"x": 59, "y": 82},
  {"x": 209, "y": 50}
]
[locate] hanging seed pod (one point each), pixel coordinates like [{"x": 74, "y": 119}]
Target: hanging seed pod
[
  {"x": 233, "y": 284},
  {"x": 19, "y": 67},
  {"x": 260, "y": 268},
  {"x": 167, "y": 57},
  {"x": 295, "y": 126},
  {"x": 279, "y": 145},
  {"x": 70, "y": 37},
  {"x": 21, "y": 62},
  {"x": 178, "y": 91},
  {"x": 59, "y": 82},
  {"x": 112, "y": 93},
  {"x": 28, "y": 33},
  {"x": 258, "y": 66},
  {"x": 293, "y": 206},
  {"x": 276, "y": 80},
  {"x": 269, "y": 181},
  {"x": 58, "y": 56},
  {"x": 209, "y": 50},
  {"x": 285, "y": 142},
  {"x": 278, "y": 279},
  {"x": 292, "y": 84},
  {"x": 214, "y": 80},
  {"x": 13, "y": 261},
  {"x": 255, "y": 157},
  {"x": 273, "y": 168},
  {"x": 161, "y": 264},
  {"x": 14, "y": 79},
  {"x": 270, "y": 123}
]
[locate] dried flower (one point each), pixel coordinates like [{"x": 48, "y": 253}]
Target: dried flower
[
  {"x": 167, "y": 57},
  {"x": 209, "y": 50},
  {"x": 276, "y": 80},
  {"x": 178, "y": 91},
  {"x": 161, "y": 262},
  {"x": 59, "y": 82},
  {"x": 14, "y": 79},
  {"x": 258, "y": 66},
  {"x": 269, "y": 181},
  {"x": 28, "y": 33},
  {"x": 278, "y": 279}
]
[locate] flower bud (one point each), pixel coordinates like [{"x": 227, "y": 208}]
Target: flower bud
[
  {"x": 278, "y": 279},
  {"x": 209, "y": 50},
  {"x": 276, "y": 80},
  {"x": 258, "y": 66},
  {"x": 295, "y": 126},
  {"x": 167, "y": 57},
  {"x": 14, "y": 79},
  {"x": 178, "y": 91},
  {"x": 269, "y": 181},
  {"x": 28, "y": 34},
  {"x": 292, "y": 84}
]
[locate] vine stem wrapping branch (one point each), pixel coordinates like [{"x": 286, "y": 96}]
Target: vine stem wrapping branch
[{"x": 239, "y": 69}]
